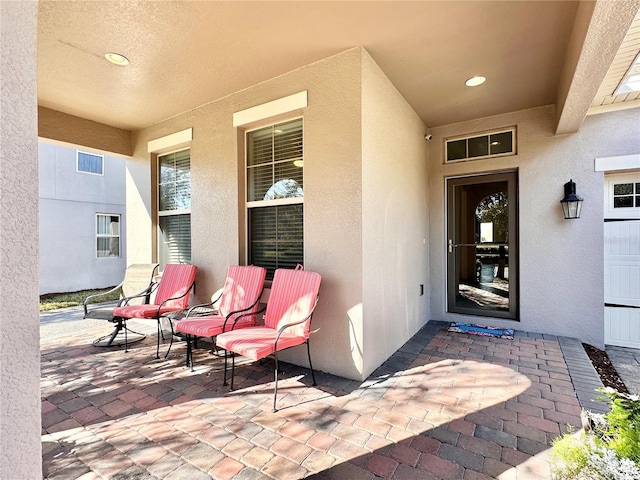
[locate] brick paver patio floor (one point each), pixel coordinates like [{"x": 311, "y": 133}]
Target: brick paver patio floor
[{"x": 445, "y": 406}]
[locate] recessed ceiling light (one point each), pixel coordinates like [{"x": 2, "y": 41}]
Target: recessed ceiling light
[
  {"x": 117, "y": 59},
  {"x": 475, "y": 81}
]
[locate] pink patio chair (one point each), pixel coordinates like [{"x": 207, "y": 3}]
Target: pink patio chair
[
  {"x": 239, "y": 299},
  {"x": 293, "y": 298},
  {"x": 172, "y": 294}
]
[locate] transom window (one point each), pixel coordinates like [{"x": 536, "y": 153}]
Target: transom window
[
  {"x": 473, "y": 147},
  {"x": 174, "y": 207},
  {"x": 275, "y": 195},
  {"x": 107, "y": 235},
  {"x": 89, "y": 163}
]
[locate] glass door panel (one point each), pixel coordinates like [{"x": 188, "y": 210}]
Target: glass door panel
[{"x": 482, "y": 245}]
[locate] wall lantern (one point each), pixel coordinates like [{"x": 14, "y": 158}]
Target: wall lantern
[{"x": 571, "y": 203}]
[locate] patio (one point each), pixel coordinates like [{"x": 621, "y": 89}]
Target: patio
[{"x": 444, "y": 406}]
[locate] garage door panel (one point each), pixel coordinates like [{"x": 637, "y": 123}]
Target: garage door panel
[
  {"x": 622, "y": 326},
  {"x": 622, "y": 263}
]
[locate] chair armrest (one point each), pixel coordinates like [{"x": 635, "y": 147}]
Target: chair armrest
[
  {"x": 289, "y": 325},
  {"x": 238, "y": 317},
  {"x": 175, "y": 298},
  {"x": 200, "y": 310},
  {"x": 145, "y": 293},
  {"x": 86, "y": 300}
]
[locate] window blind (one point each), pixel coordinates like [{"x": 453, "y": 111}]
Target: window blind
[
  {"x": 89, "y": 163},
  {"x": 271, "y": 154},
  {"x": 175, "y": 181},
  {"x": 175, "y": 239},
  {"x": 276, "y": 237}
]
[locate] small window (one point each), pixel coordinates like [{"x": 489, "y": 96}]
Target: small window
[
  {"x": 494, "y": 144},
  {"x": 626, "y": 195},
  {"x": 89, "y": 163},
  {"x": 107, "y": 235}
]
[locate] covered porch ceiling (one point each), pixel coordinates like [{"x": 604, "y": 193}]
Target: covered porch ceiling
[{"x": 186, "y": 54}]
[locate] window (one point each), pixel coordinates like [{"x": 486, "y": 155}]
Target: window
[
  {"x": 174, "y": 207},
  {"x": 626, "y": 195},
  {"x": 494, "y": 144},
  {"x": 275, "y": 196},
  {"x": 107, "y": 235},
  {"x": 89, "y": 163}
]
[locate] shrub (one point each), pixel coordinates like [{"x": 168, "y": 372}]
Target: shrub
[{"x": 610, "y": 451}]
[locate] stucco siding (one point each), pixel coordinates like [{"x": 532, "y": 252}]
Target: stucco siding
[
  {"x": 20, "y": 421},
  {"x": 395, "y": 218},
  {"x": 561, "y": 261},
  {"x": 332, "y": 197}
]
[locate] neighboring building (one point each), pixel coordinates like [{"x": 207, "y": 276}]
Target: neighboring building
[{"x": 82, "y": 218}]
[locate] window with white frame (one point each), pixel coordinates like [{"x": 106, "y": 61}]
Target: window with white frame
[
  {"x": 497, "y": 143},
  {"x": 626, "y": 195},
  {"x": 107, "y": 235},
  {"x": 275, "y": 169},
  {"x": 89, "y": 163},
  {"x": 174, "y": 207}
]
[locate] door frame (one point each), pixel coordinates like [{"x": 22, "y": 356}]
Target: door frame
[{"x": 511, "y": 177}]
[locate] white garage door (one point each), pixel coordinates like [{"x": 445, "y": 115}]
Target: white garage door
[{"x": 622, "y": 262}]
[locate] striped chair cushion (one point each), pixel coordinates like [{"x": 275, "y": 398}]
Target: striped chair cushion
[
  {"x": 211, "y": 326},
  {"x": 176, "y": 281},
  {"x": 141, "y": 311},
  {"x": 242, "y": 288},
  {"x": 256, "y": 342},
  {"x": 293, "y": 296}
]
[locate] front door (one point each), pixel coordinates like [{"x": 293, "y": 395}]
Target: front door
[{"x": 482, "y": 246}]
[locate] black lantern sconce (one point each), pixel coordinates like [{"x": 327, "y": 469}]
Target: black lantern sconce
[{"x": 571, "y": 203}]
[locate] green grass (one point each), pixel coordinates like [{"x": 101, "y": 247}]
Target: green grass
[{"x": 51, "y": 301}]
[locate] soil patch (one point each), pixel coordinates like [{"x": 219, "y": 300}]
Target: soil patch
[{"x": 605, "y": 368}]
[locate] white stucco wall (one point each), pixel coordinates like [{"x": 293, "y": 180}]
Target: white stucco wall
[
  {"x": 20, "y": 423},
  {"x": 69, "y": 202},
  {"x": 395, "y": 218},
  {"x": 561, "y": 261},
  {"x": 332, "y": 196}
]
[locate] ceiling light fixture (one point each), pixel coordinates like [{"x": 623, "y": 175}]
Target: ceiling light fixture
[
  {"x": 475, "y": 81},
  {"x": 117, "y": 59}
]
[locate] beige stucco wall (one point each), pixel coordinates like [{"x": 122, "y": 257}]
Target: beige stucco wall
[
  {"x": 67, "y": 128},
  {"x": 561, "y": 261},
  {"x": 333, "y": 202},
  {"x": 395, "y": 218},
  {"x": 20, "y": 423}
]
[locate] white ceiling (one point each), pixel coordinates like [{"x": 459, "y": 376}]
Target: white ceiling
[{"x": 185, "y": 54}]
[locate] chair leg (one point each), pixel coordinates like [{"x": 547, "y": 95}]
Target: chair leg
[
  {"x": 275, "y": 390},
  {"x": 158, "y": 340},
  {"x": 313, "y": 376},
  {"x": 224, "y": 381},
  {"x": 189, "y": 361},
  {"x": 233, "y": 368},
  {"x": 171, "y": 340},
  {"x": 124, "y": 322}
]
